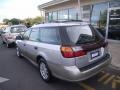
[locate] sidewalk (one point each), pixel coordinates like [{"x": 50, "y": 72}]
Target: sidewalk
[{"x": 114, "y": 47}]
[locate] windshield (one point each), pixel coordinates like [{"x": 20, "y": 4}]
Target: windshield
[
  {"x": 82, "y": 34},
  {"x": 18, "y": 29}
]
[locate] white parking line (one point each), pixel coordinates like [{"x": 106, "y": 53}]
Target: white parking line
[
  {"x": 3, "y": 79},
  {"x": 109, "y": 79},
  {"x": 103, "y": 77}
]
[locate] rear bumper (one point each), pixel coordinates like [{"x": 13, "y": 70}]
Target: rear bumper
[
  {"x": 74, "y": 74},
  {"x": 10, "y": 41}
]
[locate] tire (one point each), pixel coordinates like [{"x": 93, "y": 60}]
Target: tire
[
  {"x": 3, "y": 42},
  {"x": 18, "y": 52},
  {"x": 44, "y": 71},
  {"x": 8, "y": 45}
]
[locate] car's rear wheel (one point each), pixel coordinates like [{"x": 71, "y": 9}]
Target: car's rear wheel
[
  {"x": 18, "y": 52},
  {"x": 44, "y": 71},
  {"x": 3, "y": 42},
  {"x": 8, "y": 45}
]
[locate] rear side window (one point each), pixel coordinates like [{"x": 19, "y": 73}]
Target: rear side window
[
  {"x": 34, "y": 36},
  {"x": 82, "y": 34},
  {"x": 50, "y": 35},
  {"x": 27, "y": 34}
]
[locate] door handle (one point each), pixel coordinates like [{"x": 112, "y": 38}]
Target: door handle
[{"x": 35, "y": 48}]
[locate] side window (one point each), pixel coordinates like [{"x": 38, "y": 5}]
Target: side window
[
  {"x": 49, "y": 35},
  {"x": 34, "y": 36},
  {"x": 27, "y": 34}
]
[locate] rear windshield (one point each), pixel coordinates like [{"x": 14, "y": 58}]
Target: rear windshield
[
  {"x": 18, "y": 29},
  {"x": 81, "y": 34}
]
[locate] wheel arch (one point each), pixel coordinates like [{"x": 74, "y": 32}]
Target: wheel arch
[{"x": 39, "y": 57}]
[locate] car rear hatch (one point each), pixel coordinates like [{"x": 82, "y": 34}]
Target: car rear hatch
[
  {"x": 86, "y": 40},
  {"x": 95, "y": 53}
]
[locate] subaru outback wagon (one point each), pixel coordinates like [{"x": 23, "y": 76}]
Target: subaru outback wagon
[{"x": 69, "y": 51}]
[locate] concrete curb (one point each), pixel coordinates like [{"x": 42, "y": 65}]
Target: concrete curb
[
  {"x": 114, "y": 67},
  {"x": 113, "y": 41}
]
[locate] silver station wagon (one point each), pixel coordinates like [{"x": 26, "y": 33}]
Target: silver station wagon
[{"x": 71, "y": 51}]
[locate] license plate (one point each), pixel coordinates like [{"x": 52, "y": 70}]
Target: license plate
[{"x": 94, "y": 54}]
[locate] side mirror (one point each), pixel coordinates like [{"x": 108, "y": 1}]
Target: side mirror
[{"x": 19, "y": 38}]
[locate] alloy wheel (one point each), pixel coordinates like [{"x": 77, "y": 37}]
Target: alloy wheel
[{"x": 44, "y": 71}]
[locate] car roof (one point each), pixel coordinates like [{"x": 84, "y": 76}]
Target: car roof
[{"x": 59, "y": 24}]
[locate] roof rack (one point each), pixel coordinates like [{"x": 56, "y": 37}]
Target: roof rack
[{"x": 65, "y": 21}]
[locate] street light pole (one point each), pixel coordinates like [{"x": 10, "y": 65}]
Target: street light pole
[{"x": 79, "y": 10}]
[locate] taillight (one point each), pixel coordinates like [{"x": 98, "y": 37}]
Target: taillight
[
  {"x": 80, "y": 53},
  {"x": 9, "y": 37},
  {"x": 68, "y": 52}
]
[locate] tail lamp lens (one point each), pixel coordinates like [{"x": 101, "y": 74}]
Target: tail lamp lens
[
  {"x": 68, "y": 52},
  {"x": 9, "y": 37},
  {"x": 80, "y": 53}
]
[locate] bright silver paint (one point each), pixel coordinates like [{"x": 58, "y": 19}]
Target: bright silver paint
[{"x": 60, "y": 67}]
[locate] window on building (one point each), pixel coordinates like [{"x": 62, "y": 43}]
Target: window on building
[
  {"x": 86, "y": 12},
  {"x": 99, "y": 16},
  {"x": 54, "y": 15},
  {"x": 114, "y": 25},
  {"x": 73, "y": 14},
  {"x": 34, "y": 36},
  {"x": 63, "y": 15},
  {"x": 115, "y": 3},
  {"x": 49, "y": 35},
  {"x": 50, "y": 18}
]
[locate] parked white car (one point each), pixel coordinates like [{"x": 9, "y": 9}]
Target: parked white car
[{"x": 10, "y": 33}]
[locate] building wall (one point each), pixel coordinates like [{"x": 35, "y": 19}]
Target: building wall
[
  {"x": 70, "y": 4},
  {"x": 93, "y": 11},
  {"x": 74, "y": 4}
]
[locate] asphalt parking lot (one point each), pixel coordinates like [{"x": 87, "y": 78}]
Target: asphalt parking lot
[{"x": 20, "y": 74}]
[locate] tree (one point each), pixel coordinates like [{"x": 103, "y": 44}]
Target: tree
[
  {"x": 5, "y": 21},
  {"x": 31, "y": 21},
  {"x": 15, "y": 21},
  {"x": 37, "y": 20},
  {"x": 28, "y": 21}
]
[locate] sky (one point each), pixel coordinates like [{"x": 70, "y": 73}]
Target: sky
[{"x": 20, "y": 9}]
